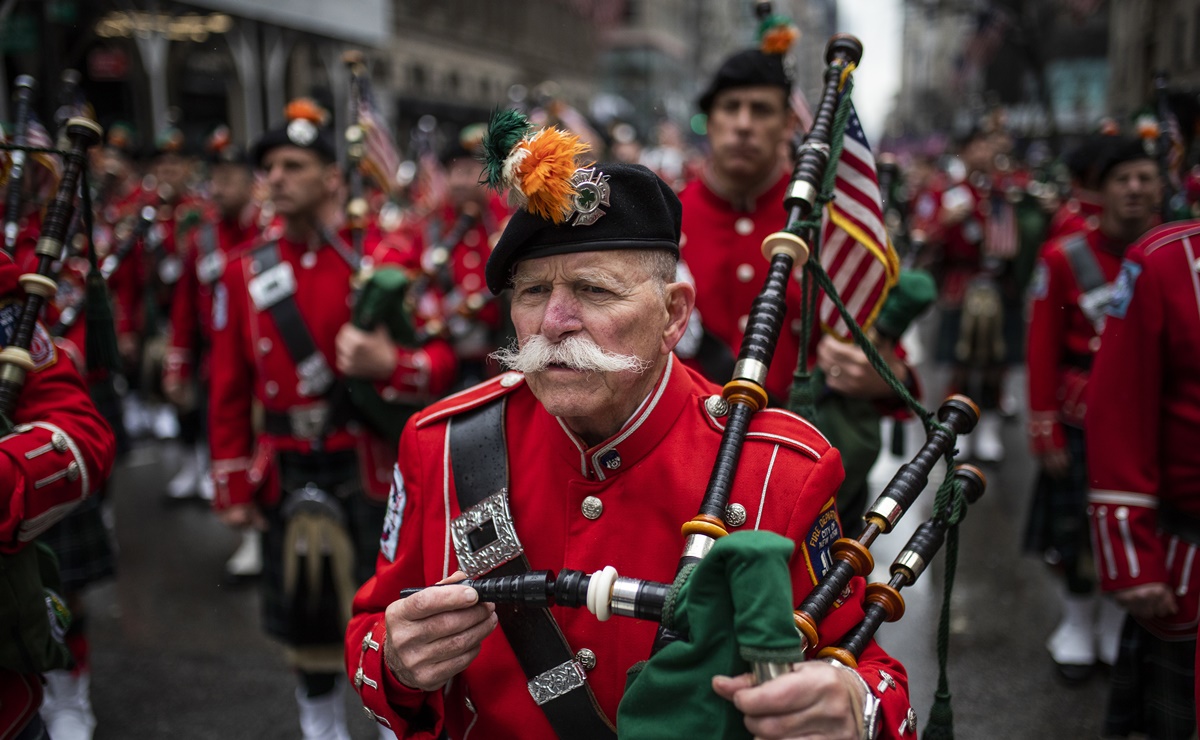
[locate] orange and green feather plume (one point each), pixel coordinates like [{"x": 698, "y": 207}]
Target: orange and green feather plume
[{"x": 536, "y": 168}]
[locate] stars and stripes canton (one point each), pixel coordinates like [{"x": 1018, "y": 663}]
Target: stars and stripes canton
[
  {"x": 855, "y": 250},
  {"x": 1000, "y": 233},
  {"x": 380, "y": 159},
  {"x": 36, "y": 137}
]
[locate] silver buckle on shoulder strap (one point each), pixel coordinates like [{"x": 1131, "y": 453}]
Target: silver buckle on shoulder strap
[
  {"x": 484, "y": 536},
  {"x": 561, "y": 679},
  {"x": 315, "y": 375}
]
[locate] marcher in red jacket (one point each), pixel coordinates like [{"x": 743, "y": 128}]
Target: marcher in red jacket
[
  {"x": 312, "y": 472},
  {"x": 730, "y": 209},
  {"x": 229, "y": 220},
  {"x": 1072, "y": 286},
  {"x": 1143, "y": 431}
]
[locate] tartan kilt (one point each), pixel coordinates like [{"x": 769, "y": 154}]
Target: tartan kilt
[
  {"x": 83, "y": 545},
  {"x": 1057, "y": 525},
  {"x": 1152, "y": 689},
  {"x": 336, "y": 473}
]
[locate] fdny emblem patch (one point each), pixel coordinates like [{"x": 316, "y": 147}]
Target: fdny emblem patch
[
  {"x": 41, "y": 346},
  {"x": 818, "y": 543},
  {"x": 397, "y": 498},
  {"x": 1122, "y": 292}
]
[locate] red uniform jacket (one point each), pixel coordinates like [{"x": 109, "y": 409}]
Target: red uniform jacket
[
  {"x": 722, "y": 246},
  {"x": 250, "y": 363},
  {"x": 651, "y": 480},
  {"x": 59, "y": 452},
  {"x": 191, "y": 308},
  {"x": 1064, "y": 333},
  {"x": 1143, "y": 424}
]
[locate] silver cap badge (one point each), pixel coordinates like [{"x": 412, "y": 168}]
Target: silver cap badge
[{"x": 591, "y": 191}]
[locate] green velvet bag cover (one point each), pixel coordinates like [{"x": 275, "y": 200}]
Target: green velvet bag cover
[
  {"x": 382, "y": 301},
  {"x": 33, "y": 615},
  {"x": 734, "y": 607}
]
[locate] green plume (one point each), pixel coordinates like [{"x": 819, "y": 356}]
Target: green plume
[
  {"x": 771, "y": 22},
  {"x": 505, "y": 129}
]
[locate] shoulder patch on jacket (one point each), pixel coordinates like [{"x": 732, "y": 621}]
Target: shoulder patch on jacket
[
  {"x": 41, "y": 345},
  {"x": 471, "y": 398},
  {"x": 818, "y": 543},
  {"x": 394, "y": 518},
  {"x": 1122, "y": 293}
]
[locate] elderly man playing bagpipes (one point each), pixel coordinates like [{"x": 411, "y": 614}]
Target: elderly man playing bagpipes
[{"x": 585, "y": 455}]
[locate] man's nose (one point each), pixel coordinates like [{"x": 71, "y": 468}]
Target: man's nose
[
  {"x": 562, "y": 315},
  {"x": 742, "y": 117}
]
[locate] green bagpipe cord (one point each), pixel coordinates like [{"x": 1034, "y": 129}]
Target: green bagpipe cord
[
  {"x": 734, "y": 607},
  {"x": 803, "y": 399}
]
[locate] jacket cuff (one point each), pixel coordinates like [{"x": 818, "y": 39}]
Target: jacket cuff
[
  {"x": 384, "y": 698},
  {"x": 41, "y": 456},
  {"x": 420, "y": 374},
  {"x": 1046, "y": 432},
  {"x": 242, "y": 480}
]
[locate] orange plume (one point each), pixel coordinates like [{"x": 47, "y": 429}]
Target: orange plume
[
  {"x": 306, "y": 108},
  {"x": 545, "y": 173},
  {"x": 779, "y": 39}
]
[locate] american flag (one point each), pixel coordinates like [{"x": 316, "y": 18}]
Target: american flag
[
  {"x": 1000, "y": 238},
  {"x": 855, "y": 250},
  {"x": 36, "y": 135},
  {"x": 380, "y": 160}
]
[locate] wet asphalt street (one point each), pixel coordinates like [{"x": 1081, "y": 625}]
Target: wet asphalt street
[{"x": 177, "y": 652}]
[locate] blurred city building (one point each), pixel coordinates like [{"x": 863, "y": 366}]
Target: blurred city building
[
  {"x": 1150, "y": 36},
  {"x": 436, "y": 63},
  {"x": 1054, "y": 68}
]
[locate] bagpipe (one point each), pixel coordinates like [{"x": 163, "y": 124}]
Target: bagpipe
[
  {"x": 41, "y": 285},
  {"x": 743, "y": 578},
  {"x": 65, "y": 236}
]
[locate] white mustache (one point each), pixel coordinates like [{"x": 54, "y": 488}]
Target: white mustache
[{"x": 577, "y": 353}]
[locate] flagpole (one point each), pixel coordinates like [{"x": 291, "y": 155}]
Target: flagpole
[{"x": 356, "y": 205}]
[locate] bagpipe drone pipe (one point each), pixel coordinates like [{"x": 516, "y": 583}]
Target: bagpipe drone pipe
[
  {"x": 742, "y": 581},
  {"x": 41, "y": 285},
  {"x": 59, "y": 293}
]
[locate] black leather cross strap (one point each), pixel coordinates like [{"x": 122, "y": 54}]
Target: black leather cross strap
[
  {"x": 1085, "y": 268},
  {"x": 286, "y": 315},
  {"x": 479, "y": 460}
]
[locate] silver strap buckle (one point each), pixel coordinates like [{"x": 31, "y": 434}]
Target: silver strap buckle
[
  {"x": 484, "y": 535},
  {"x": 315, "y": 375},
  {"x": 559, "y": 680}
]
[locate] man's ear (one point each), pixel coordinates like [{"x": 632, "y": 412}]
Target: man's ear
[
  {"x": 333, "y": 177},
  {"x": 680, "y": 299}
]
